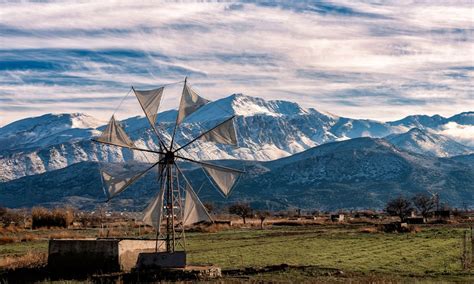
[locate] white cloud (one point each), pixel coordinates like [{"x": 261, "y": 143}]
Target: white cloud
[
  {"x": 459, "y": 132},
  {"x": 360, "y": 60}
]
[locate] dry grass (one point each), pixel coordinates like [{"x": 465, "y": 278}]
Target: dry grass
[
  {"x": 109, "y": 233},
  {"x": 209, "y": 228},
  {"x": 10, "y": 229},
  {"x": 64, "y": 235},
  {"x": 7, "y": 240},
  {"x": 17, "y": 238},
  {"x": 30, "y": 259},
  {"x": 369, "y": 230}
]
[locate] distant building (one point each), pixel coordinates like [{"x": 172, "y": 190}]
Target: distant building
[
  {"x": 415, "y": 220},
  {"x": 443, "y": 214}
]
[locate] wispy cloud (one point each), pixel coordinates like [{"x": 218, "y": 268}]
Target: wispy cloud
[{"x": 357, "y": 59}]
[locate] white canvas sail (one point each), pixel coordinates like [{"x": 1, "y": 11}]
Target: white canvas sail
[
  {"x": 115, "y": 135},
  {"x": 223, "y": 179},
  {"x": 116, "y": 183},
  {"x": 190, "y": 102},
  {"x": 194, "y": 210},
  {"x": 223, "y": 134},
  {"x": 154, "y": 211},
  {"x": 150, "y": 101}
]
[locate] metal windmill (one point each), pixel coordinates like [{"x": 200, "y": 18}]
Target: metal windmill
[
  {"x": 435, "y": 198},
  {"x": 172, "y": 183}
]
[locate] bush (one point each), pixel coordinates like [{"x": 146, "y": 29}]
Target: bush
[
  {"x": 9, "y": 216},
  {"x": 58, "y": 217}
]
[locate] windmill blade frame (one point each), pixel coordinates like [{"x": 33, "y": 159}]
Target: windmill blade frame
[
  {"x": 170, "y": 188},
  {"x": 204, "y": 133}
]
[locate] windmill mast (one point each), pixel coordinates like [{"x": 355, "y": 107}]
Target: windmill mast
[{"x": 174, "y": 234}]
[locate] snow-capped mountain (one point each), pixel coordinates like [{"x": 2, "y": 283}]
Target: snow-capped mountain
[
  {"x": 355, "y": 173},
  {"x": 47, "y": 130},
  {"x": 428, "y": 143},
  {"x": 267, "y": 130},
  {"x": 420, "y": 121}
]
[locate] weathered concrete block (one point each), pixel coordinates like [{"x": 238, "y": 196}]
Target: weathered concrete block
[
  {"x": 161, "y": 260},
  {"x": 93, "y": 255}
]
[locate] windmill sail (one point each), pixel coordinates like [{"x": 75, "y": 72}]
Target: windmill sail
[
  {"x": 150, "y": 102},
  {"x": 116, "y": 183},
  {"x": 190, "y": 102},
  {"x": 223, "y": 179},
  {"x": 224, "y": 134},
  {"x": 194, "y": 211},
  {"x": 115, "y": 135},
  {"x": 154, "y": 211}
]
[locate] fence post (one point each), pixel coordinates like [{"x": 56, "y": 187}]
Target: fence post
[{"x": 472, "y": 245}]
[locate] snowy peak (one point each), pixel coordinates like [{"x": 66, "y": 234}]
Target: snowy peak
[
  {"x": 464, "y": 118},
  {"x": 54, "y": 122},
  {"x": 420, "y": 121},
  {"x": 248, "y": 106},
  {"x": 242, "y": 105},
  {"x": 52, "y": 127},
  {"x": 428, "y": 143}
]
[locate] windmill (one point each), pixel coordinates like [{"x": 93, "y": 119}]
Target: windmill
[
  {"x": 172, "y": 183},
  {"x": 435, "y": 198}
]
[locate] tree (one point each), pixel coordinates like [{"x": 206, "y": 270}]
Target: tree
[
  {"x": 400, "y": 207},
  {"x": 3, "y": 211},
  {"x": 424, "y": 204},
  {"x": 242, "y": 210},
  {"x": 262, "y": 215}
]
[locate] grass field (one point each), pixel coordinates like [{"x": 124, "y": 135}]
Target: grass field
[{"x": 433, "y": 253}]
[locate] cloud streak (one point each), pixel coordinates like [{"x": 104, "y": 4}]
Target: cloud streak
[{"x": 350, "y": 58}]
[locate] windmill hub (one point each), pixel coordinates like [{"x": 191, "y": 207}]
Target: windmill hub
[{"x": 169, "y": 157}]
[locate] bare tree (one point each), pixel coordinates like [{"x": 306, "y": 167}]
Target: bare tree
[
  {"x": 262, "y": 215},
  {"x": 424, "y": 204},
  {"x": 243, "y": 210},
  {"x": 400, "y": 207}
]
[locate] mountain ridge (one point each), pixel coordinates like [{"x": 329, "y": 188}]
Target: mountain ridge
[
  {"x": 267, "y": 130},
  {"x": 357, "y": 173}
]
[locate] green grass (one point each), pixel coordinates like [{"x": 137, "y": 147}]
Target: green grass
[
  {"x": 431, "y": 254},
  {"x": 23, "y": 247},
  {"x": 434, "y": 251}
]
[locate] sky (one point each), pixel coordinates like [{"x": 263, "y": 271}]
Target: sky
[{"x": 381, "y": 60}]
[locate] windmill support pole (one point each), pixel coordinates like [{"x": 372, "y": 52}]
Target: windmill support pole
[
  {"x": 173, "y": 235},
  {"x": 169, "y": 205}
]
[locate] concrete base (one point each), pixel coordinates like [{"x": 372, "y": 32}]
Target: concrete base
[
  {"x": 161, "y": 260},
  {"x": 96, "y": 255}
]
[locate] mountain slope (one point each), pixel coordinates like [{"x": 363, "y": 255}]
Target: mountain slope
[
  {"x": 427, "y": 143},
  {"x": 46, "y": 130},
  {"x": 356, "y": 173}
]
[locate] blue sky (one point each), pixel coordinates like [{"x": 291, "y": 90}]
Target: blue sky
[{"x": 379, "y": 60}]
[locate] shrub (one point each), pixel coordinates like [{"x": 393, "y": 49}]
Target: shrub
[
  {"x": 59, "y": 217},
  {"x": 8, "y": 216}
]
